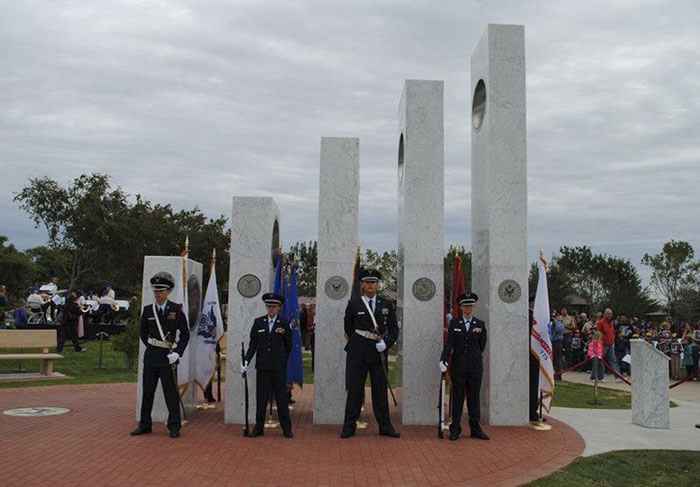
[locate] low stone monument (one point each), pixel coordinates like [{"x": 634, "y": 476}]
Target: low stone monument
[
  {"x": 338, "y": 206},
  {"x": 499, "y": 219},
  {"x": 650, "y": 392},
  {"x": 173, "y": 265},
  {"x": 254, "y": 249},
  {"x": 421, "y": 176}
]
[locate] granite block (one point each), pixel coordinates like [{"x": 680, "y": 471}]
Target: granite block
[{"x": 650, "y": 392}]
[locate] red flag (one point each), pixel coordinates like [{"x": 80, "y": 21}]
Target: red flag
[{"x": 458, "y": 286}]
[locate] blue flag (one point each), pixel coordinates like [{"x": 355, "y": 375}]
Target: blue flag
[{"x": 295, "y": 364}]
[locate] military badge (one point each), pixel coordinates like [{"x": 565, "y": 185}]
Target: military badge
[
  {"x": 385, "y": 311},
  {"x": 280, "y": 331},
  {"x": 171, "y": 315}
]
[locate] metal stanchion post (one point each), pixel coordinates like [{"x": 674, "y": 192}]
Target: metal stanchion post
[
  {"x": 595, "y": 400},
  {"x": 101, "y": 335}
]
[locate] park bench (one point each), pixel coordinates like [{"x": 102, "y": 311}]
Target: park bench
[{"x": 43, "y": 339}]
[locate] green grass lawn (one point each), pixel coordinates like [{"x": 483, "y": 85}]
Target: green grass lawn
[
  {"x": 80, "y": 366},
  {"x": 629, "y": 468},
  {"x": 573, "y": 395}
]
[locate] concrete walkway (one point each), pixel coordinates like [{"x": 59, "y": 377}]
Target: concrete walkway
[{"x": 606, "y": 430}]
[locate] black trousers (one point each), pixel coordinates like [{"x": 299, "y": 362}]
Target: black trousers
[
  {"x": 534, "y": 386},
  {"x": 151, "y": 374},
  {"x": 356, "y": 371},
  {"x": 471, "y": 384},
  {"x": 272, "y": 381},
  {"x": 68, "y": 331},
  {"x": 557, "y": 352}
]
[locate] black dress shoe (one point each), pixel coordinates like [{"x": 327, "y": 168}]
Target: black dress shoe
[
  {"x": 255, "y": 433},
  {"x": 346, "y": 434},
  {"x": 288, "y": 434},
  {"x": 174, "y": 433},
  {"x": 453, "y": 436},
  {"x": 390, "y": 434},
  {"x": 141, "y": 430},
  {"x": 479, "y": 434}
]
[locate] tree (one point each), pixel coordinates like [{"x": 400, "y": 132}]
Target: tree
[
  {"x": 306, "y": 255},
  {"x": 17, "y": 270},
  {"x": 673, "y": 271},
  {"x": 387, "y": 264}
]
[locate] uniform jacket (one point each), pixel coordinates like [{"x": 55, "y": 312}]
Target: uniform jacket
[
  {"x": 466, "y": 347},
  {"x": 171, "y": 321},
  {"x": 357, "y": 318},
  {"x": 272, "y": 347}
]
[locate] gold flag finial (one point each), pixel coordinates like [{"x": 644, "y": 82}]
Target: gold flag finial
[
  {"x": 544, "y": 262},
  {"x": 187, "y": 242}
]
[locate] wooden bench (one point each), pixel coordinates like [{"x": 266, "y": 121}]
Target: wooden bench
[{"x": 43, "y": 339}]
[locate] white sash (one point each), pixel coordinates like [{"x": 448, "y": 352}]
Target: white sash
[
  {"x": 374, "y": 321},
  {"x": 155, "y": 313}
]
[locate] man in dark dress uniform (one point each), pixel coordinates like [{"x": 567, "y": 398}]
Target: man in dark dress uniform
[
  {"x": 160, "y": 324},
  {"x": 534, "y": 367},
  {"x": 271, "y": 338},
  {"x": 367, "y": 341},
  {"x": 466, "y": 340}
]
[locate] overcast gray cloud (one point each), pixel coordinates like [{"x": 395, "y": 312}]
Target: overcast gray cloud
[{"x": 194, "y": 102}]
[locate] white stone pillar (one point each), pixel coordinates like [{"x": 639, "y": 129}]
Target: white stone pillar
[
  {"x": 338, "y": 206},
  {"x": 173, "y": 265},
  {"x": 499, "y": 219},
  {"x": 650, "y": 392},
  {"x": 421, "y": 247},
  {"x": 254, "y": 248}
]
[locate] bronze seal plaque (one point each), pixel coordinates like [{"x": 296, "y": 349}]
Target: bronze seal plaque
[
  {"x": 336, "y": 287},
  {"x": 509, "y": 291},
  {"x": 424, "y": 289},
  {"x": 249, "y": 286}
]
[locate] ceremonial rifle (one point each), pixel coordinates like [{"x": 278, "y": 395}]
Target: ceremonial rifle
[
  {"x": 441, "y": 407},
  {"x": 245, "y": 381},
  {"x": 173, "y": 369}
]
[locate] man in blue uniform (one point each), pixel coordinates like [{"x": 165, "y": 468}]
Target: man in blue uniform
[
  {"x": 371, "y": 328},
  {"x": 466, "y": 340},
  {"x": 271, "y": 338},
  {"x": 165, "y": 334}
]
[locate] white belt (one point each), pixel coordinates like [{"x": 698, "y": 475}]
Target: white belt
[
  {"x": 368, "y": 334},
  {"x": 160, "y": 343}
]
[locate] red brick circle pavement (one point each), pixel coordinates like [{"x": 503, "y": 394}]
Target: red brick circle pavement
[{"x": 91, "y": 446}]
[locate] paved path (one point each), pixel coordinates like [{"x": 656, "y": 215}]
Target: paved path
[{"x": 91, "y": 445}]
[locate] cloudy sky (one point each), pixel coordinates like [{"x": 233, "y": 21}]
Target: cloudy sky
[{"x": 191, "y": 103}]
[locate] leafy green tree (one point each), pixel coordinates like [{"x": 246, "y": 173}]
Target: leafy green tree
[
  {"x": 17, "y": 270},
  {"x": 306, "y": 255},
  {"x": 387, "y": 264},
  {"x": 673, "y": 270}
]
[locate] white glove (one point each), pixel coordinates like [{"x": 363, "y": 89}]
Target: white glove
[
  {"x": 244, "y": 367},
  {"x": 381, "y": 346},
  {"x": 173, "y": 357},
  {"x": 443, "y": 367}
]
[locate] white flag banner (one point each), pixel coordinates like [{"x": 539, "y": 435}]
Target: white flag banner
[
  {"x": 541, "y": 344},
  {"x": 209, "y": 332},
  {"x": 183, "y": 369}
]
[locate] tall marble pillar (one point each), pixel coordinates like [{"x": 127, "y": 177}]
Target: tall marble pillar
[
  {"x": 499, "y": 219},
  {"x": 173, "y": 265},
  {"x": 421, "y": 246},
  {"x": 254, "y": 248},
  {"x": 338, "y": 205},
  {"x": 650, "y": 392}
]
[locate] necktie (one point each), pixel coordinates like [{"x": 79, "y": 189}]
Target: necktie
[{"x": 371, "y": 305}]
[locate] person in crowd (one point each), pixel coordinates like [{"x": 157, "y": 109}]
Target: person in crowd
[
  {"x": 81, "y": 298},
  {"x": 675, "y": 354},
  {"x": 311, "y": 326},
  {"x": 3, "y": 305},
  {"x": 607, "y": 328},
  {"x": 596, "y": 349},
  {"x": 69, "y": 326},
  {"x": 303, "y": 317},
  {"x": 165, "y": 334},
  {"x": 570, "y": 328},
  {"x": 271, "y": 342},
  {"x": 621, "y": 349},
  {"x": 690, "y": 366},
  {"x": 106, "y": 312},
  {"x": 20, "y": 316},
  {"x": 557, "y": 337},
  {"x": 93, "y": 295},
  {"x": 577, "y": 349},
  {"x": 588, "y": 328},
  {"x": 686, "y": 330},
  {"x": 110, "y": 292},
  {"x": 36, "y": 303},
  {"x": 52, "y": 288}
]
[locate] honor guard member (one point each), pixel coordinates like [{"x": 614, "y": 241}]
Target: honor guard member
[
  {"x": 271, "y": 338},
  {"x": 371, "y": 328},
  {"x": 160, "y": 324},
  {"x": 466, "y": 340}
]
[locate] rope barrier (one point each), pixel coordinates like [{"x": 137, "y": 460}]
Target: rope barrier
[
  {"x": 687, "y": 378},
  {"x": 583, "y": 362},
  {"x": 615, "y": 373}
]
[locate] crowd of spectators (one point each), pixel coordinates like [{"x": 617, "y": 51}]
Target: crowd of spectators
[{"x": 576, "y": 337}]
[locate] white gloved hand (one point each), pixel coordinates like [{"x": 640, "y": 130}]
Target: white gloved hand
[
  {"x": 173, "y": 357},
  {"x": 244, "y": 367},
  {"x": 443, "y": 367},
  {"x": 381, "y": 346}
]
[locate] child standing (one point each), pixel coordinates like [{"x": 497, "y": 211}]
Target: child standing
[
  {"x": 690, "y": 367},
  {"x": 595, "y": 349}
]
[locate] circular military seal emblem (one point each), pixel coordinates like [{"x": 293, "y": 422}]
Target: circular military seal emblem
[
  {"x": 424, "y": 289},
  {"x": 509, "y": 291},
  {"x": 36, "y": 411},
  {"x": 336, "y": 287},
  {"x": 249, "y": 286}
]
